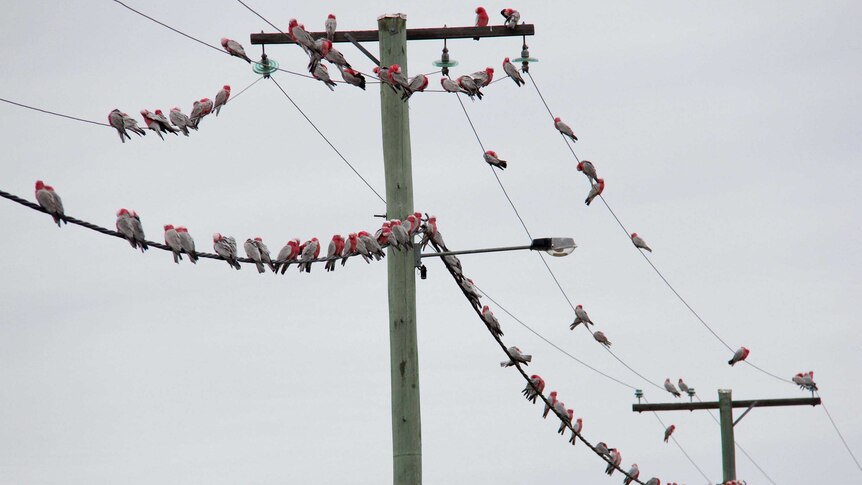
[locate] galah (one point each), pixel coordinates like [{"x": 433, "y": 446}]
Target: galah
[
  {"x": 330, "y": 26},
  {"x": 362, "y": 249},
  {"x": 383, "y": 234},
  {"x": 565, "y": 129},
  {"x": 301, "y": 36},
  {"x": 552, "y": 400},
  {"x": 288, "y": 254},
  {"x": 164, "y": 125},
  {"x": 350, "y": 247},
  {"x": 253, "y": 252},
  {"x": 633, "y": 474},
  {"x": 371, "y": 245},
  {"x": 138, "y": 231},
  {"x": 321, "y": 73},
  {"x": 683, "y": 387},
  {"x": 180, "y": 120},
  {"x": 668, "y": 432},
  {"x": 494, "y": 161},
  {"x": 431, "y": 233},
  {"x": 470, "y": 86},
  {"x": 799, "y": 380},
  {"x": 50, "y": 201},
  {"x": 225, "y": 246},
  {"x": 559, "y": 409},
  {"x": 451, "y": 86},
  {"x": 382, "y": 73},
  {"x": 401, "y": 235},
  {"x": 534, "y": 387},
  {"x": 472, "y": 293},
  {"x": 740, "y": 354},
  {"x": 595, "y": 191},
  {"x": 235, "y": 49},
  {"x": 491, "y": 321},
  {"x": 416, "y": 84},
  {"x": 336, "y": 246},
  {"x": 580, "y": 317},
  {"x": 512, "y": 72},
  {"x": 151, "y": 123},
  {"x": 200, "y": 110},
  {"x": 615, "y": 458},
  {"x": 653, "y": 481},
  {"x": 566, "y": 421},
  {"x": 602, "y": 448},
  {"x": 411, "y": 224},
  {"x": 600, "y": 338},
  {"x": 483, "y": 78},
  {"x": 589, "y": 170},
  {"x": 481, "y": 18},
  {"x": 639, "y": 242},
  {"x": 333, "y": 55},
  {"x": 221, "y": 98},
  {"x": 130, "y": 228},
  {"x": 396, "y": 77},
  {"x": 515, "y": 355},
  {"x": 132, "y": 125},
  {"x": 576, "y": 430},
  {"x": 172, "y": 240},
  {"x": 808, "y": 381},
  {"x": 454, "y": 264},
  {"x": 353, "y": 77},
  {"x": 115, "y": 119},
  {"x": 671, "y": 388},
  {"x": 512, "y": 17},
  {"x": 187, "y": 243},
  {"x": 309, "y": 253}
]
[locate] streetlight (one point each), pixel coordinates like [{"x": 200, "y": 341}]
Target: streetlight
[{"x": 555, "y": 246}]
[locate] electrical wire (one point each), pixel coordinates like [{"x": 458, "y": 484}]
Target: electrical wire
[
  {"x": 171, "y": 28},
  {"x": 54, "y": 113},
  {"x": 846, "y": 446},
  {"x": 327, "y": 140}
]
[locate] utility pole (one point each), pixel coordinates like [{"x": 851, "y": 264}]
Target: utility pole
[
  {"x": 392, "y": 34},
  {"x": 725, "y": 405}
]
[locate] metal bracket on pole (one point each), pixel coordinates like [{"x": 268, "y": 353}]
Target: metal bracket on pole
[
  {"x": 363, "y": 49},
  {"x": 749, "y": 408}
]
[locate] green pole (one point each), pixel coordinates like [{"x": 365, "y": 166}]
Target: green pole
[
  {"x": 728, "y": 452},
  {"x": 404, "y": 358}
]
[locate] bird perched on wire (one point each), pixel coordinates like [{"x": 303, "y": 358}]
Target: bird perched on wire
[
  {"x": 483, "y": 78},
  {"x": 512, "y": 17},
  {"x": 566, "y": 420},
  {"x": 492, "y": 160},
  {"x": 132, "y": 125},
  {"x": 595, "y": 190},
  {"x": 565, "y": 129},
  {"x": 180, "y": 120},
  {"x": 253, "y": 253},
  {"x": 299, "y": 35},
  {"x": 187, "y": 244},
  {"x": 287, "y": 255},
  {"x": 416, "y": 84},
  {"x": 668, "y": 385},
  {"x": 235, "y": 49},
  {"x": 740, "y": 354},
  {"x": 225, "y": 246},
  {"x": 668, "y": 432},
  {"x": 400, "y": 236},
  {"x": 615, "y": 458},
  {"x": 129, "y": 225},
  {"x": 470, "y": 289},
  {"x": 397, "y": 78},
  {"x": 172, "y": 240},
  {"x": 515, "y": 355},
  {"x": 321, "y": 73},
  {"x": 639, "y": 242},
  {"x": 199, "y": 110},
  {"x": 589, "y": 170},
  {"x": 336, "y": 246},
  {"x": 683, "y": 386},
  {"x": 221, "y": 98},
  {"x": 581, "y": 316},
  {"x": 332, "y": 54},
  {"x": 115, "y": 119},
  {"x": 577, "y": 426},
  {"x": 51, "y": 202},
  {"x": 382, "y": 73},
  {"x": 470, "y": 86},
  {"x": 512, "y": 72},
  {"x": 552, "y": 399},
  {"x": 310, "y": 251},
  {"x": 600, "y": 338},
  {"x": 158, "y": 123},
  {"x": 534, "y": 387},
  {"x": 371, "y": 245},
  {"x": 481, "y": 18},
  {"x": 451, "y": 86},
  {"x": 633, "y": 474},
  {"x": 330, "y": 26}
]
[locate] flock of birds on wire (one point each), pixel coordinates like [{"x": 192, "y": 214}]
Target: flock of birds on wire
[{"x": 394, "y": 233}]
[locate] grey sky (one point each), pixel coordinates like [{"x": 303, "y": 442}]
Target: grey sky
[{"x": 728, "y": 134}]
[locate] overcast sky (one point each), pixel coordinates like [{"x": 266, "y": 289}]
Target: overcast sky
[{"x": 728, "y": 134}]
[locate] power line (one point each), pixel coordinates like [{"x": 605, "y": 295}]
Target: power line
[
  {"x": 171, "y": 28},
  {"x": 327, "y": 140},
  {"x": 846, "y": 446},
  {"x": 54, "y": 113}
]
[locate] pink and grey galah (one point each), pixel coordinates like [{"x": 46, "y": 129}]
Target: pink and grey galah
[
  {"x": 470, "y": 86},
  {"x": 552, "y": 400},
  {"x": 336, "y": 246},
  {"x": 382, "y": 73},
  {"x": 187, "y": 243},
  {"x": 180, "y": 120},
  {"x": 483, "y": 78},
  {"x": 154, "y": 124},
  {"x": 200, "y": 110},
  {"x": 512, "y": 17},
  {"x": 454, "y": 264},
  {"x": 481, "y": 18},
  {"x": 401, "y": 236},
  {"x": 470, "y": 290},
  {"x": 235, "y": 49},
  {"x": 639, "y": 242},
  {"x": 333, "y": 55},
  {"x": 668, "y": 432},
  {"x": 371, "y": 245},
  {"x": 309, "y": 253},
  {"x": 172, "y": 240},
  {"x": 565, "y": 129},
  {"x": 534, "y": 387},
  {"x": 577, "y": 427},
  {"x": 589, "y": 170},
  {"x": 515, "y": 355},
  {"x": 353, "y": 77},
  {"x": 115, "y": 119},
  {"x": 51, "y": 202},
  {"x": 396, "y": 77},
  {"x": 383, "y": 235},
  {"x": 130, "y": 227},
  {"x": 362, "y": 249},
  {"x": 566, "y": 420},
  {"x": 600, "y": 338},
  {"x": 595, "y": 190},
  {"x": 301, "y": 36},
  {"x": 351, "y": 247},
  {"x": 411, "y": 224},
  {"x": 615, "y": 458},
  {"x": 451, "y": 86},
  {"x": 288, "y": 254},
  {"x": 493, "y": 160},
  {"x": 559, "y": 409},
  {"x": 264, "y": 252},
  {"x": 330, "y": 26},
  {"x": 653, "y": 481},
  {"x": 321, "y": 73},
  {"x": 683, "y": 387},
  {"x": 580, "y": 317},
  {"x": 416, "y": 84},
  {"x": 512, "y": 72},
  {"x": 132, "y": 125},
  {"x": 253, "y": 253},
  {"x": 808, "y": 381},
  {"x": 432, "y": 234},
  {"x": 668, "y": 385},
  {"x": 602, "y": 448},
  {"x": 740, "y": 354},
  {"x": 491, "y": 321},
  {"x": 225, "y": 246},
  {"x": 221, "y": 98},
  {"x": 633, "y": 474}
]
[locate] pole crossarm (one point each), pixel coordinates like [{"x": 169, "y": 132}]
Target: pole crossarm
[
  {"x": 697, "y": 406},
  {"x": 433, "y": 33}
]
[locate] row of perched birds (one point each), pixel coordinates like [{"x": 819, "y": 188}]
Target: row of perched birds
[{"x": 177, "y": 122}]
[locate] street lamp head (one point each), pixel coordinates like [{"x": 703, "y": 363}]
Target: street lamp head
[{"x": 555, "y": 246}]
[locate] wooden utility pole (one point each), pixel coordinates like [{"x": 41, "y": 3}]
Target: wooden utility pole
[
  {"x": 393, "y": 35},
  {"x": 725, "y": 405}
]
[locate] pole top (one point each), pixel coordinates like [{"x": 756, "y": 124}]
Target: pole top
[{"x": 393, "y": 16}]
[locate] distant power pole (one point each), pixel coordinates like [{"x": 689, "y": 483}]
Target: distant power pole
[
  {"x": 403, "y": 354},
  {"x": 725, "y": 407}
]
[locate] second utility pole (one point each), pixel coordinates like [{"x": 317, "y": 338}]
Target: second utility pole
[{"x": 403, "y": 354}]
